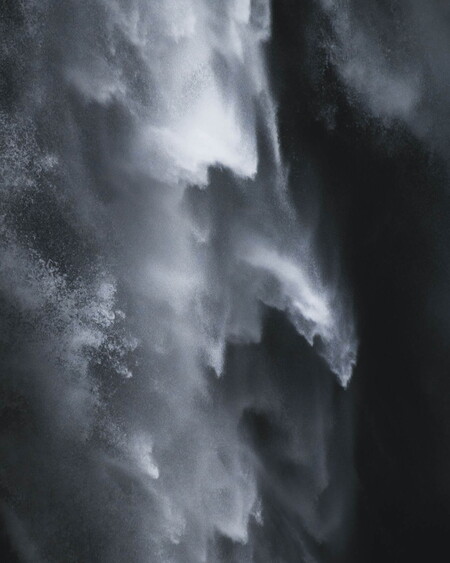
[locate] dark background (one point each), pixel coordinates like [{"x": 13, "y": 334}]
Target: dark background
[{"x": 388, "y": 193}]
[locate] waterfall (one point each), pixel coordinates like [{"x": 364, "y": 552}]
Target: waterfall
[{"x": 147, "y": 229}]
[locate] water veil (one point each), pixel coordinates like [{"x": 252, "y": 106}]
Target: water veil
[{"x": 146, "y": 233}]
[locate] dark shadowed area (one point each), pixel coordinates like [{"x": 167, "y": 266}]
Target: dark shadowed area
[{"x": 387, "y": 185}]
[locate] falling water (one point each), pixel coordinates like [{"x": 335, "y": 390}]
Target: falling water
[{"x": 146, "y": 230}]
